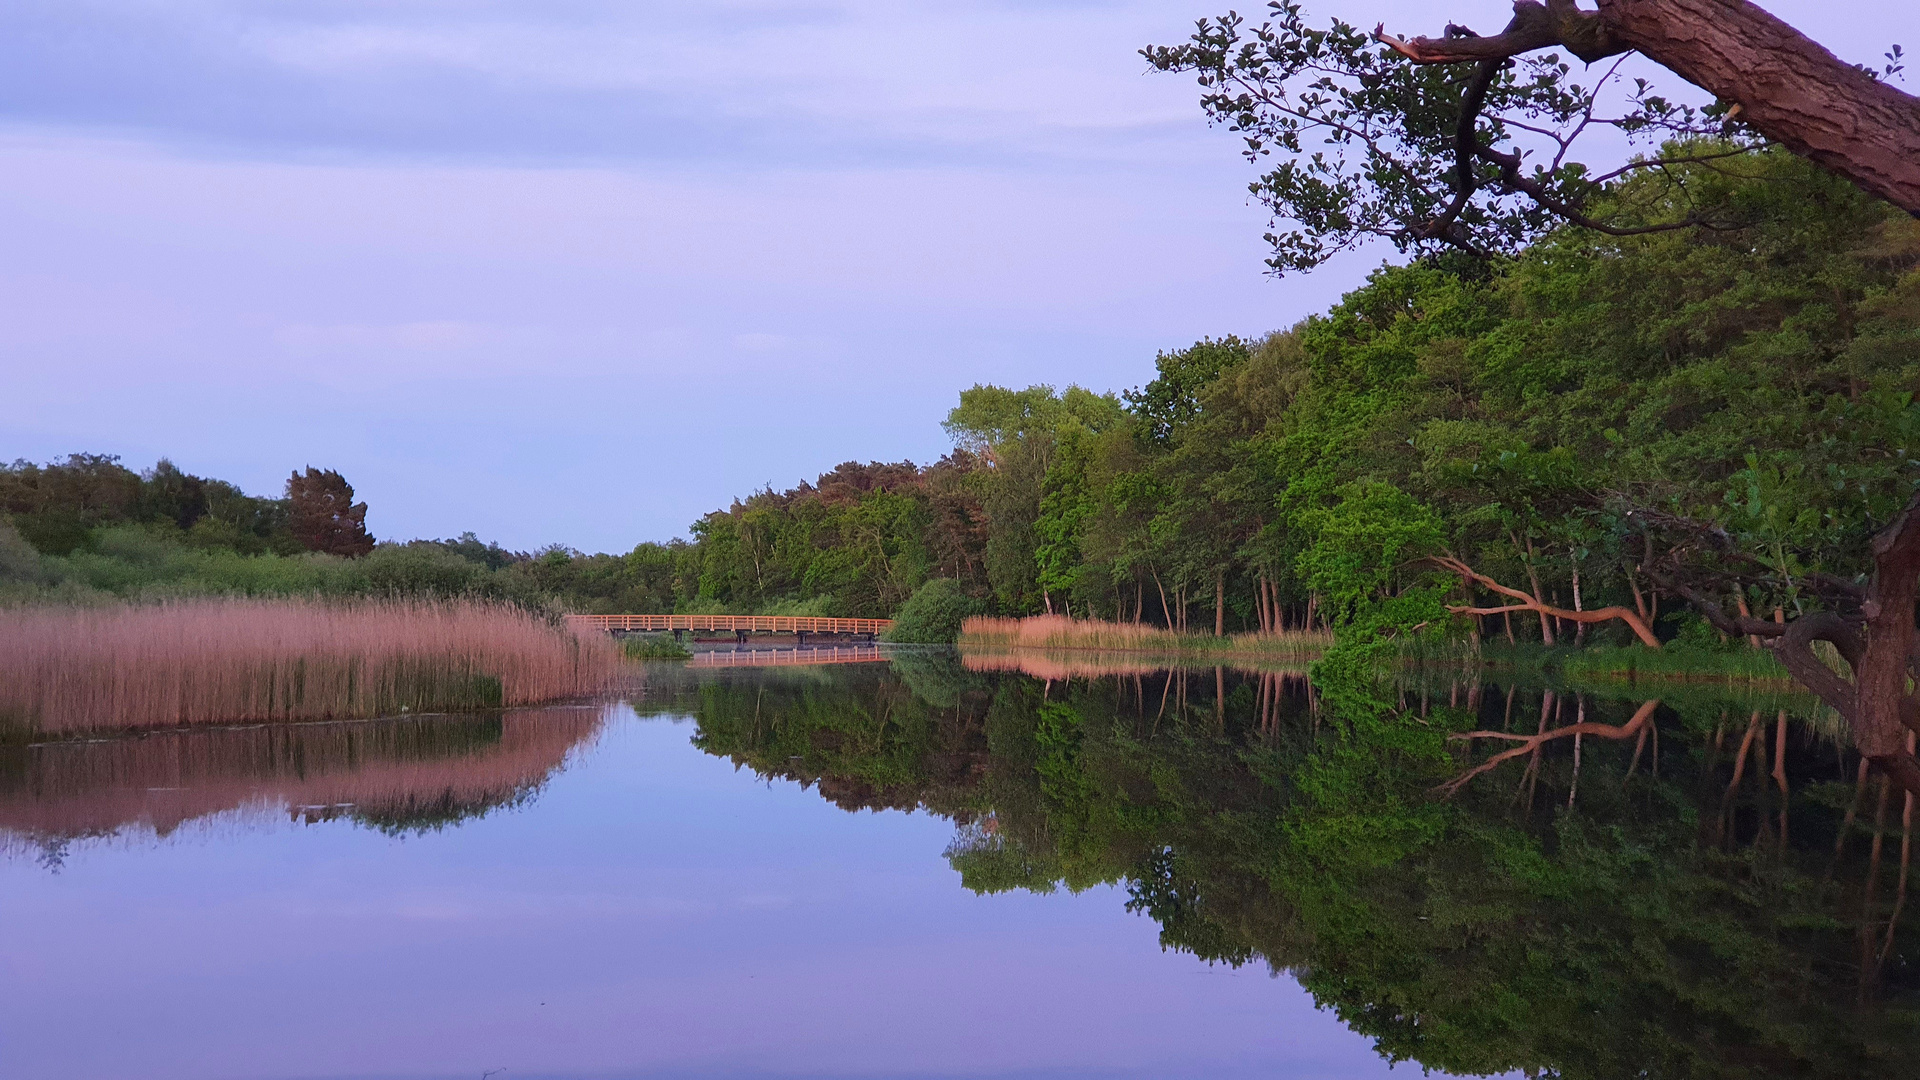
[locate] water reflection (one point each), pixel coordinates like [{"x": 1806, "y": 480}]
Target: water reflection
[
  {"x": 1495, "y": 876},
  {"x": 1698, "y": 885},
  {"x": 401, "y": 775}
]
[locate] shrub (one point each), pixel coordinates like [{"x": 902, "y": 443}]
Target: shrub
[
  {"x": 933, "y": 614},
  {"x": 654, "y": 647}
]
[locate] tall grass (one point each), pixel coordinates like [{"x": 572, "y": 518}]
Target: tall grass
[
  {"x": 67, "y": 670},
  {"x": 1676, "y": 662},
  {"x": 982, "y": 635},
  {"x": 653, "y": 647}
]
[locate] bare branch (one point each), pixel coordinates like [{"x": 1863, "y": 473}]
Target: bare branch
[{"x": 1528, "y": 603}]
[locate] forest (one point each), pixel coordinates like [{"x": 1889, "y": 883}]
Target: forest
[
  {"x": 1587, "y": 424},
  {"x": 1584, "y": 424}
]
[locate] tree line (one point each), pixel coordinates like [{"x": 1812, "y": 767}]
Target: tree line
[
  {"x": 1575, "y": 425},
  {"x": 1539, "y": 442}
]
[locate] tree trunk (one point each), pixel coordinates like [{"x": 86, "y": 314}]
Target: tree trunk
[
  {"x": 1470, "y": 577},
  {"x": 1786, "y": 85},
  {"x": 1580, "y": 629},
  {"x": 1219, "y": 603},
  {"x": 1877, "y": 644},
  {"x": 1539, "y": 605},
  {"x": 1789, "y": 88},
  {"x": 1880, "y": 678}
]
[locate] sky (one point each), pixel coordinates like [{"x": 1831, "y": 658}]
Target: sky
[{"x": 578, "y": 271}]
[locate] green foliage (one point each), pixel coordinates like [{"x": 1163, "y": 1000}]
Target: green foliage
[
  {"x": 933, "y": 614},
  {"x": 989, "y": 417},
  {"x": 1171, "y": 401},
  {"x": 855, "y": 544},
  {"x": 1366, "y": 538},
  {"x": 653, "y": 647},
  {"x": 1370, "y": 144},
  {"x": 1536, "y": 418},
  {"x": 1658, "y": 926}
]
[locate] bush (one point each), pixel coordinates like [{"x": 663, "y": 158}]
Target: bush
[
  {"x": 933, "y": 614},
  {"x": 819, "y": 607},
  {"x": 654, "y": 647}
]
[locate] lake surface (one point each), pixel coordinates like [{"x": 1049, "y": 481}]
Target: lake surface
[{"x": 910, "y": 869}]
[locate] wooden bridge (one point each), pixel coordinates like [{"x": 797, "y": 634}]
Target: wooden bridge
[{"x": 739, "y": 625}]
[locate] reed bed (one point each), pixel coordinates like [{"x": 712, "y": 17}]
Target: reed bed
[
  {"x": 65, "y": 670},
  {"x": 1057, "y": 633}
]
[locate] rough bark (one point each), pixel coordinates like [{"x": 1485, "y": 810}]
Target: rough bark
[
  {"x": 1783, "y": 84},
  {"x": 1877, "y": 642},
  {"x": 1788, "y": 87}
]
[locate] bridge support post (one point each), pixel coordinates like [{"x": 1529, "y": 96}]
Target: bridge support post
[
  {"x": 802, "y": 635},
  {"x": 679, "y": 635},
  {"x": 740, "y": 637}
]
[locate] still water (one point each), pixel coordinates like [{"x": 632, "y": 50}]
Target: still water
[{"x": 909, "y": 869}]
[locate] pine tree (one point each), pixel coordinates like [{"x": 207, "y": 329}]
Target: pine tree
[{"x": 323, "y": 515}]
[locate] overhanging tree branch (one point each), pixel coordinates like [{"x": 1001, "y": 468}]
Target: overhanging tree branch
[
  {"x": 1777, "y": 80},
  {"x": 1527, "y": 602}
]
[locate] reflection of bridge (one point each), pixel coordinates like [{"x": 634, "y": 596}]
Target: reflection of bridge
[
  {"x": 739, "y": 625},
  {"x": 813, "y": 654}
]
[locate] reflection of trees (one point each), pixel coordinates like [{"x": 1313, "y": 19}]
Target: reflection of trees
[
  {"x": 1717, "y": 894},
  {"x": 406, "y": 775},
  {"x": 859, "y": 732}
]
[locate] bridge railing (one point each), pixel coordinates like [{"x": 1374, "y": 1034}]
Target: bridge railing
[
  {"x": 772, "y": 624},
  {"x": 804, "y": 657}
]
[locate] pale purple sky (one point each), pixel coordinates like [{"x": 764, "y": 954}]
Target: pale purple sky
[{"x": 577, "y": 271}]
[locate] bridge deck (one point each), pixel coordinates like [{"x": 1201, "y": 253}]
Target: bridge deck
[{"x": 766, "y": 624}]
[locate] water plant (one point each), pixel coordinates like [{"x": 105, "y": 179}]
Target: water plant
[
  {"x": 653, "y": 647},
  {"x": 67, "y": 670}
]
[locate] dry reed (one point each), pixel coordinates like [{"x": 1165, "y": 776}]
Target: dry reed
[
  {"x": 1057, "y": 633},
  {"x": 67, "y": 670}
]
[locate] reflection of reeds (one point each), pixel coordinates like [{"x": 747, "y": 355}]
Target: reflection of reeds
[
  {"x": 1044, "y": 664},
  {"x": 65, "y": 670},
  {"x": 981, "y": 637},
  {"x": 417, "y": 772}
]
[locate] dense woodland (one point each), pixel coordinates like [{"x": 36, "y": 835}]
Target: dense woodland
[
  {"x": 1569, "y": 423},
  {"x": 1563, "y": 422}
]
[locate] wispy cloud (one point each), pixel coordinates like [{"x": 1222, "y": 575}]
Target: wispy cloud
[{"x": 756, "y": 83}]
